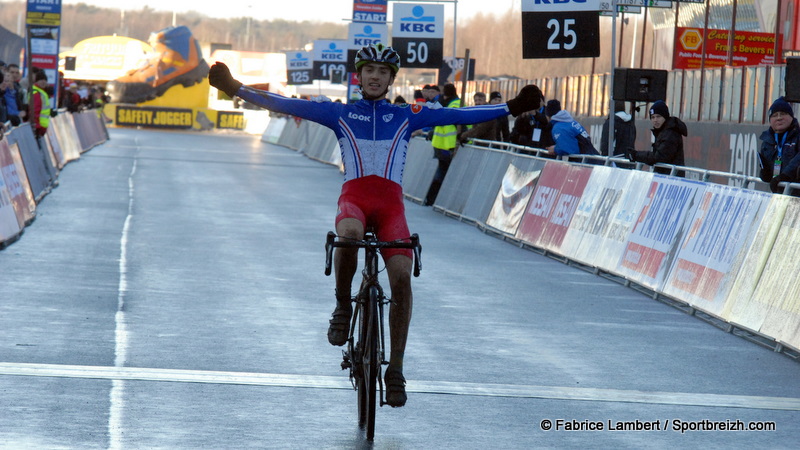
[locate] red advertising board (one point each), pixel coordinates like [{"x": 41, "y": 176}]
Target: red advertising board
[
  {"x": 550, "y": 211},
  {"x": 749, "y": 49}
]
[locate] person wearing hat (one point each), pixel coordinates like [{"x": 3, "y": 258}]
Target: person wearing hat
[
  {"x": 565, "y": 130},
  {"x": 779, "y": 154},
  {"x": 668, "y": 132},
  {"x": 501, "y": 123},
  {"x": 532, "y": 129}
]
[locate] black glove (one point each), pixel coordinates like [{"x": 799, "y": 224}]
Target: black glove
[
  {"x": 630, "y": 153},
  {"x": 220, "y": 77},
  {"x": 53, "y": 113},
  {"x": 529, "y": 98},
  {"x": 773, "y": 185}
]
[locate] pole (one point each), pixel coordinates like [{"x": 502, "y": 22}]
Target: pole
[
  {"x": 455, "y": 27},
  {"x": 611, "y": 78},
  {"x": 703, "y": 62},
  {"x": 464, "y": 77},
  {"x": 644, "y": 29},
  {"x": 729, "y": 63}
]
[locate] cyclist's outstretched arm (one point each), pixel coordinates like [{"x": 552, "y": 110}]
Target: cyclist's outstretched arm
[{"x": 325, "y": 113}]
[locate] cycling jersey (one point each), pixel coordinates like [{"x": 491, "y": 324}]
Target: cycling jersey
[{"x": 373, "y": 135}]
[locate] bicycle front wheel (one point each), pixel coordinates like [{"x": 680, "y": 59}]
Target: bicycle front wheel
[{"x": 370, "y": 362}]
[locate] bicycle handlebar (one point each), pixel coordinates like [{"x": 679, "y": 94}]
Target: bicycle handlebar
[{"x": 371, "y": 242}]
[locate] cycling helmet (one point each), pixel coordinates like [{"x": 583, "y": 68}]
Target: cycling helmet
[{"x": 378, "y": 53}]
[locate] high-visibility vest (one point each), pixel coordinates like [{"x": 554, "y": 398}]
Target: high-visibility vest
[
  {"x": 44, "y": 115},
  {"x": 444, "y": 137}
]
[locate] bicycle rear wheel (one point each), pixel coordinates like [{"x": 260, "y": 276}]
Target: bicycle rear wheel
[{"x": 367, "y": 383}]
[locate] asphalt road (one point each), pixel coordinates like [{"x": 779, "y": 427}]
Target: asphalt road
[{"x": 170, "y": 294}]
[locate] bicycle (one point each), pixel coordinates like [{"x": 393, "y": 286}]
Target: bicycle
[{"x": 365, "y": 353}]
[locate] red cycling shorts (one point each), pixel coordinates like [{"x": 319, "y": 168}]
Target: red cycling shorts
[{"x": 378, "y": 203}]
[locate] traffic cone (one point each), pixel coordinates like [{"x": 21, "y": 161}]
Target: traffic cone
[{"x": 177, "y": 59}]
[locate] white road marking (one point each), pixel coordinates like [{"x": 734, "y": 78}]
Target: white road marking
[
  {"x": 418, "y": 386},
  {"x": 121, "y": 342}
]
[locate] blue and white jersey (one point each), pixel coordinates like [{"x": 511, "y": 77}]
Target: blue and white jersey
[{"x": 373, "y": 135}]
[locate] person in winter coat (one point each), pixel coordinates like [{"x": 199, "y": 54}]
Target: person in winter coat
[
  {"x": 668, "y": 144},
  {"x": 565, "y": 130},
  {"x": 779, "y": 155},
  {"x": 624, "y": 132}
]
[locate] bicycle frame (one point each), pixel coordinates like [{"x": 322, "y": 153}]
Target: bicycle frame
[{"x": 366, "y": 351}]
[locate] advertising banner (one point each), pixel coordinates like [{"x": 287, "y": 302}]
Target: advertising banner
[
  {"x": 553, "y": 205},
  {"x": 710, "y": 256},
  {"x": 452, "y": 70},
  {"x": 778, "y": 289},
  {"x": 9, "y": 225},
  {"x": 749, "y": 49},
  {"x": 55, "y": 145},
  {"x": 739, "y": 308},
  {"x": 104, "y": 57},
  {"x": 132, "y": 116},
  {"x": 231, "y": 120},
  {"x": 662, "y": 221},
  {"x": 605, "y": 215},
  {"x": 16, "y": 180},
  {"x": 512, "y": 198},
  {"x": 43, "y": 23}
]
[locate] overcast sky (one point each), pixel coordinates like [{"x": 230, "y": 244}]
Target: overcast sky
[{"x": 321, "y": 10}]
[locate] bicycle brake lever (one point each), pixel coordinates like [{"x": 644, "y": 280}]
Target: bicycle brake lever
[{"x": 329, "y": 251}]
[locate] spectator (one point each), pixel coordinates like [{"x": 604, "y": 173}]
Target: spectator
[
  {"x": 491, "y": 130},
  {"x": 431, "y": 93},
  {"x": 399, "y": 100},
  {"x": 779, "y": 155},
  {"x": 4, "y": 82},
  {"x": 444, "y": 143},
  {"x": 565, "y": 130},
  {"x": 532, "y": 129},
  {"x": 72, "y": 100},
  {"x": 624, "y": 132},
  {"x": 41, "y": 105},
  {"x": 9, "y": 98},
  {"x": 668, "y": 132},
  {"x": 22, "y": 106},
  {"x": 502, "y": 131},
  {"x": 418, "y": 97}
]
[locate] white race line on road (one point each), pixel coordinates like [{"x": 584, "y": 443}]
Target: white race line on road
[
  {"x": 117, "y": 393},
  {"x": 422, "y": 387}
]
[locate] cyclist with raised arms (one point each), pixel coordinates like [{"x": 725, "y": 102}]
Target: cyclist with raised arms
[{"x": 373, "y": 135}]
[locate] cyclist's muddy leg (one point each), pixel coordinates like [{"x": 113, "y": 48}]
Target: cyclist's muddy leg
[
  {"x": 345, "y": 260},
  {"x": 399, "y": 270}
]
